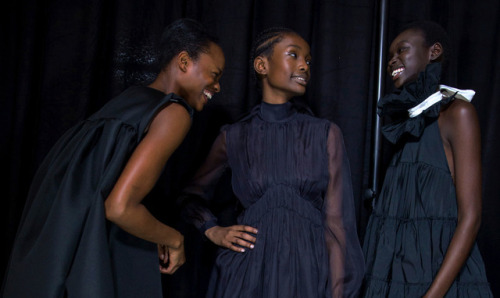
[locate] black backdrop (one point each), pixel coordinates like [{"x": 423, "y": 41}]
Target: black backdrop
[{"x": 62, "y": 60}]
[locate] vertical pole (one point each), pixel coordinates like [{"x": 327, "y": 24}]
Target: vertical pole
[{"x": 372, "y": 192}]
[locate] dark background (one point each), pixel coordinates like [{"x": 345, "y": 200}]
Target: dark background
[{"x": 62, "y": 60}]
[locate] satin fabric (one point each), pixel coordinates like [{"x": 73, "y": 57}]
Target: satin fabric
[{"x": 65, "y": 247}]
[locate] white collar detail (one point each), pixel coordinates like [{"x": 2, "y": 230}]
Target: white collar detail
[{"x": 444, "y": 91}]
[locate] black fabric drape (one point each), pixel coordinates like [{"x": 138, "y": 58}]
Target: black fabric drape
[{"x": 62, "y": 60}]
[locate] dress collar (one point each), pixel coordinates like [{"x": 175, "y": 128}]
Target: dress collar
[
  {"x": 276, "y": 112},
  {"x": 417, "y": 104}
]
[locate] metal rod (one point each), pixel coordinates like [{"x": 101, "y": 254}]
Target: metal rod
[{"x": 373, "y": 192}]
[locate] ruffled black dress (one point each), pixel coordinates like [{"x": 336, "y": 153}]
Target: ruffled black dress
[{"x": 415, "y": 215}]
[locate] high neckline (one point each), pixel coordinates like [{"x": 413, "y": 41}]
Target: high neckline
[{"x": 276, "y": 112}]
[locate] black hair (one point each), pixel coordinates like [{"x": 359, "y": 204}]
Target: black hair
[
  {"x": 264, "y": 43},
  {"x": 183, "y": 35},
  {"x": 432, "y": 33}
]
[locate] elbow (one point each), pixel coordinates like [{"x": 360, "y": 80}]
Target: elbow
[{"x": 114, "y": 210}]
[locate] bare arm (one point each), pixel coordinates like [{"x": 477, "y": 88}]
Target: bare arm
[
  {"x": 460, "y": 129},
  {"x": 123, "y": 205}
]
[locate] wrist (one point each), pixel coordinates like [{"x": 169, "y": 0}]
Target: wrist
[{"x": 177, "y": 241}]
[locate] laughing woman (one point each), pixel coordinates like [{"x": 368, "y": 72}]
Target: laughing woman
[{"x": 420, "y": 240}]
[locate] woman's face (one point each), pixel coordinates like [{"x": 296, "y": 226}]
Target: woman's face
[
  {"x": 203, "y": 76},
  {"x": 287, "y": 69},
  {"x": 408, "y": 56}
]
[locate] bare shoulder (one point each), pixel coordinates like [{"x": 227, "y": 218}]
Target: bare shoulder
[
  {"x": 459, "y": 110},
  {"x": 172, "y": 119},
  {"x": 173, "y": 113},
  {"x": 457, "y": 117}
]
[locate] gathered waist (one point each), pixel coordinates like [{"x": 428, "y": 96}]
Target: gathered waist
[{"x": 285, "y": 199}]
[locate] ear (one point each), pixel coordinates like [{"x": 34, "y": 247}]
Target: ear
[
  {"x": 436, "y": 50},
  {"x": 260, "y": 65},
  {"x": 183, "y": 61}
]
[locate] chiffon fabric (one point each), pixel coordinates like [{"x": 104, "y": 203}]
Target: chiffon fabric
[
  {"x": 415, "y": 215},
  {"x": 65, "y": 247},
  {"x": 290, "y": 172}
]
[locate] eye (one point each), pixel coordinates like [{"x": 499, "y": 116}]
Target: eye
[
  {"x": 292, "y": 54},
  {"x": 402, "y": 49},
  {"x": 309, "y": 62}
]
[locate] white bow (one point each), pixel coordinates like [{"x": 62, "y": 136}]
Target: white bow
[{"x": 444, "y": 91}]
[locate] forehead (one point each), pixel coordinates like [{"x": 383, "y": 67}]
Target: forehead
[
  {"x": 214, "y": 56},
  {"x": 413, "y": 36},
  {"x": 293, "y": 40}
]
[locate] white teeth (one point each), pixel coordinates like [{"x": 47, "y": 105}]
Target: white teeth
[
  {"x": 208, "y": 94},
  {"x": 300, "y": 78},
  {"x": 397, "y": 71}
]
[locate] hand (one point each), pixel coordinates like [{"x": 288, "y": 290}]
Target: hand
[
  {"x": 171, "y": 258},
  {"x": 230, "y": 236}
]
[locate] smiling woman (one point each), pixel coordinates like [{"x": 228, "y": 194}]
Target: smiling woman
[
  {"x": 198, "y": 79},
  {"x": 420, "y": 240},
  {"x": 297, "y": 234},
  {"x": 84, "y": 231}
]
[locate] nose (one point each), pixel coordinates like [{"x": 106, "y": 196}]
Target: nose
[
  {"x": 304, "y": 66},
  {"x": 392, "y": 60},
  {"x": 217, "y": 87}
]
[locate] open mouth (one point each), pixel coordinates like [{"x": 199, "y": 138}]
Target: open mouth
[
  {"x": 395, "y": 73},
  {"x": 300, "y": 79},
  {"x": 208, "y": 94}
]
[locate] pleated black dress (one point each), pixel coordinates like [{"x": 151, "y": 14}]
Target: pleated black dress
[
  {"x": 415, "y": 215},
  {"x": 65, "y": 247},
  {"x": 291, "y": 175}
]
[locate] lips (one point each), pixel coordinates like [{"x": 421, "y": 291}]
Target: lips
[
  {"x": 208, "y": 94},
  {"x": 300, "y": 79},
  {"x": 397, "y": 72}
]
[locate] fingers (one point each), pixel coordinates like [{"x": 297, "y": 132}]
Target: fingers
[
  {"x": 162, "y": 254},
  {"x": 176, "y": 258},
  {"x": 238, "y": 238}
]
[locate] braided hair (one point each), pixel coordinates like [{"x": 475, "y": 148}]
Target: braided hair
[{"x": 264, "y": 44}]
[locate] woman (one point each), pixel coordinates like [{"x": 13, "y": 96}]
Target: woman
[
  {"x": 84, "y": 231},
  {"x": 420, "y": 240},
  {"x": 297, "y": 234}
]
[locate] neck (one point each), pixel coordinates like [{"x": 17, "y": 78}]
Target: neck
[
  {"x": 163, "y": 82},
  {"x": 275, "y": 101}
]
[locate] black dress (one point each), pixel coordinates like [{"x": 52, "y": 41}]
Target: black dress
[
  {"x": 64, "y": 244},
  {"x": 291, "y": 174},
  {"x": 415, "y": 215}
]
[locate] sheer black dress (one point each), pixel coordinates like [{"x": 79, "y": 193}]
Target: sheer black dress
[{"x": 291, "y": 174}]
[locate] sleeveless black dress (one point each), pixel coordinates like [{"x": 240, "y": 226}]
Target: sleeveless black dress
[
  {"x": 415, "y": 215},
  {"x": 64, "y": 244},
  {"x": 291, "y": 174}
]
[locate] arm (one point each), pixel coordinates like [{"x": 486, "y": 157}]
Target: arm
[
  {"x": 460, "y": 130},
  {"x": 200, "y": 190},
  {"x": 345, "y": 254},
  {"x": 123, "y": 205}
]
